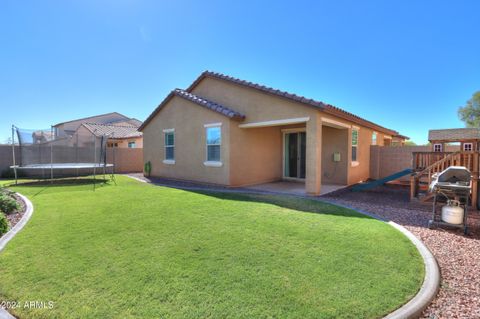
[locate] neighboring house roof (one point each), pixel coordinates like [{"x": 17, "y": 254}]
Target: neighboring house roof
[
  {"x": 113, "y": 131},
  {"x": 454, "y": 134},
  {"x": 85, "y": 119},
  {"x": 197, "y": 100},
  {"x": 327, "y": 108},
  {"x": 129, "y": 122}
]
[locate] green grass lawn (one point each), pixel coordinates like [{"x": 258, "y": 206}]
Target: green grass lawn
[{"x": 140, "y": 251}]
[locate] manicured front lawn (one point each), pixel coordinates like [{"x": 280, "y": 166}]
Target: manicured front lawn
[{"x": 140, "y": 251}]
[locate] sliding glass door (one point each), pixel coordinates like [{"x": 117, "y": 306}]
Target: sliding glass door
[{"x": 295, "y": 145}]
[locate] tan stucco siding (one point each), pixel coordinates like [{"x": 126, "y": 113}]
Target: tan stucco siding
[
  {"x": 123, "y": 143},
  {"x": 260, "y": 107},
  {"x": 255, "y": 105},
  {"x": 256, "y": 155},
  {"x": 361, "y": 171},
  {"x": 334, "y": 140},
  {"x": 188, "y": 120}
]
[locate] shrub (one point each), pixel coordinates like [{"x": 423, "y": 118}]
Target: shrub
[
  {"x": 6, "y": 191},
  {"x": 3, "y": 224},
  {"x": 7, "y": 204}
]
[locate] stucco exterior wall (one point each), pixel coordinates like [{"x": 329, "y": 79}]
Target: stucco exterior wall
[
  {"x": 123, "y": 143},
  {"x": 334, "y": 140},
  {"x": 6, "y": 157},
  {"x": 360, "y": 171},
  {"x": 256, "y": 105},
  {"x": 256, "y": 155},
  {"x": 188, "y": 120}
]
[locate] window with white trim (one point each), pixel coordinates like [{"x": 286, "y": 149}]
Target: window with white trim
[
  {"x": 169, "y": 145},
  {"x": 468, "y": 147},
  {"x": 214, "y": 141},
  {"x": 354, "y": 145},
  {"x": 132, "y": 144},
  {"x": 374, "y": 138},
  {"x": 437, "y": 147}
]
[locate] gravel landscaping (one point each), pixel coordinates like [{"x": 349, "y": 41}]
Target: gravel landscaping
[
  {"x": 14, "y": 217},
  {"x": 458, "y": 255}
]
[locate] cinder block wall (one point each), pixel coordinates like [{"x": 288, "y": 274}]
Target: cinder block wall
[
  {"x": 6, "y": 158},
  {"x": 387, "y": 160},
  {"x": 128, "y": 160}
]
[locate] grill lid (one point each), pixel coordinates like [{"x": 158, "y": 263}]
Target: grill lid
[
  {"x": 455, "y": 178},
  {"x": 455, "y": 175}
]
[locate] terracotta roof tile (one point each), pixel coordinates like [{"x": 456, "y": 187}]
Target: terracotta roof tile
[
  {"x": 318, "y": 104},
  {"x": 208, "y": 104},
  {"x": 114, "y": 131},
  {"x": 197, "y": 100}
]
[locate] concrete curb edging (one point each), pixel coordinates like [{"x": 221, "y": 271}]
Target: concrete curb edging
[
  {"x": 4, "y": 314},
  {"x": 431, "y": 282}
]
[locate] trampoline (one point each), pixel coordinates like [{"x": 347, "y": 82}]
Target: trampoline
[{"x": 43, "y": 154}]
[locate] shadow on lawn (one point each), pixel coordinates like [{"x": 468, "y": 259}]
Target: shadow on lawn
[
  {"x": 44, "y": 185},
  {"x": 285, "y": 201}
]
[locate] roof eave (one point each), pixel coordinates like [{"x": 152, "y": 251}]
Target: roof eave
[{"x": 292, "y": 97}]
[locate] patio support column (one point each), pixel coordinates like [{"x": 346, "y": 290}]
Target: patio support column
[{"x": 313, "y": 178}]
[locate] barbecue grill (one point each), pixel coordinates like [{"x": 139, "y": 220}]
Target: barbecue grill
[{"x": 452, "y": 185}]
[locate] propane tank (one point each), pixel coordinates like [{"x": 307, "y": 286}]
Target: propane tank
[{"x": 452, "y": 213}]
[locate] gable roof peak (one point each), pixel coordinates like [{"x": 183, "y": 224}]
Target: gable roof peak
[
  {"x": 327, "y": 108},
  {"x": 213, "y": 106}
]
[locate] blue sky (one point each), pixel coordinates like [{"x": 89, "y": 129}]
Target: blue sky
[{"x": 407, "y": 65}]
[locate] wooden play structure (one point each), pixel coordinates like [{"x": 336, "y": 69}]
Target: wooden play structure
[{"x": 426, "y": 164}]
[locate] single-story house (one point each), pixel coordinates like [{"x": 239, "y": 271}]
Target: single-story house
[
  {"x": 69, "y": 128},
  {"x": 122, "y": 129},
  {"x": 227, "y": 131},
  {"x": 121, "y": 136}
]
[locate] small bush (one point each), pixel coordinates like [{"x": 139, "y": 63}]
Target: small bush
[
  {"x": 3, "y": 224},
  {"x": 7, "y": 204},
  {"x": 6, "y": 191}
]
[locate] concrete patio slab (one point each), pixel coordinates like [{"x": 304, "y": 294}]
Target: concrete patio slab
[{"x": 291, "y": 187}]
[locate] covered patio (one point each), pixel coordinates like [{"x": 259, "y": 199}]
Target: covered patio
[{"x": 306, "y": 155}]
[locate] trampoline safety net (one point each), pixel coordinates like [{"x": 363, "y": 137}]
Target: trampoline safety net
[{"x": 84, "y": 152}]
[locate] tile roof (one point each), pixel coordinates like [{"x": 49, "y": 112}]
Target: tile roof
[
  {"x": 113, "y": 131},
  {"x": 228, "y": 112},
  {"x": 454, "y": 134},
  {"x": 327, "y": 108},
  {"x": 92, "y": 117},
  {"x": 127, "y": 122}
]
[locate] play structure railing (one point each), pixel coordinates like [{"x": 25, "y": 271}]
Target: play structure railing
[{"x": 426, "y": 164}]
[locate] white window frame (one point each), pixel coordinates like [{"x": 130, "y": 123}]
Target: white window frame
[
  {"x": 440, "y": 147},
  {"x": 471, "y": 147},
  {"x": 355, "y": 162},
  {"x": 134, "y": 144},
  {"x": 374, "y": 138},
  {"x": 165, "y": 146},
  {"x": 207, "y": 162}
]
